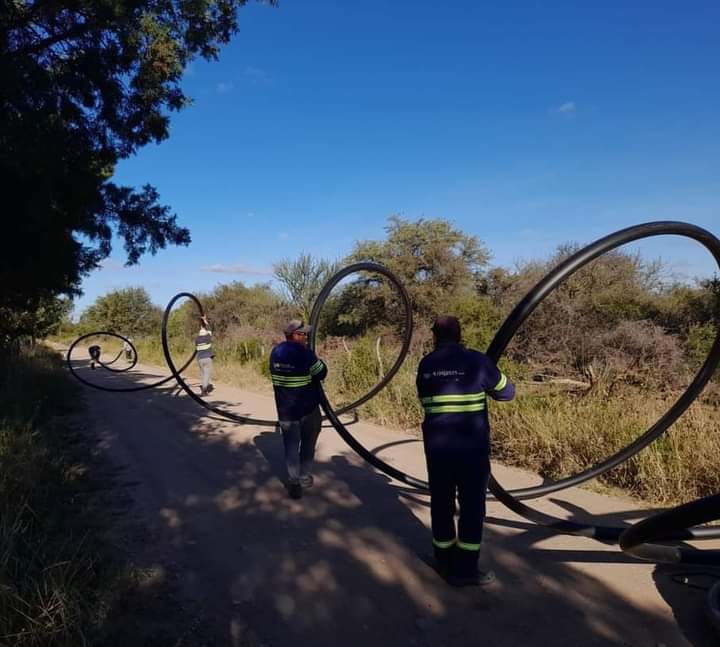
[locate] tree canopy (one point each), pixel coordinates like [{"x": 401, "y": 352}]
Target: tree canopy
[
  {"x": 128, "y": 311},
  {"x": 437, "y": 262},
  {"x": 85, "y": 84}
]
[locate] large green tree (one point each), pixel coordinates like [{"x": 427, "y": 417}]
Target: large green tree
[
  {"x": 437, "y": 262},
  {"x": 128, "y": 311},
  {"x": 84, "y": 84}
]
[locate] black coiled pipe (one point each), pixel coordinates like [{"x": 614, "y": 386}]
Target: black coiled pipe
[
  {"x": 500, "y": 342},
  {"x": 111, "y": 389}
]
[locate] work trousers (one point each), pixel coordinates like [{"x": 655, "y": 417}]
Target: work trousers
[
  {"x": 458, "y": 475},
  {"x": 299, "y": 438},
  {"x": 205, "y": 371}
]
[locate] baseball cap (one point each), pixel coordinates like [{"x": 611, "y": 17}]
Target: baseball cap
[
  {"x": 296, "y": 325},
  {"x": 447, "y": 327}
]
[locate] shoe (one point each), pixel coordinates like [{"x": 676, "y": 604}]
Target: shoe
[
  {"x": 295, "y": 490},
  {"x": 209, "y": 389},
  {"x": 203, "y": 393},
  {"x": 480, "y": 578},
  {"x": 306, "y": 480}
]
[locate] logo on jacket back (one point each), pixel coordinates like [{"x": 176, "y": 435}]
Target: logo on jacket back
[{"x": 443, "y": 373}]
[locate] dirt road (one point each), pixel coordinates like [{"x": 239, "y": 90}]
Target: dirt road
[{"x": 343, "y": 565}]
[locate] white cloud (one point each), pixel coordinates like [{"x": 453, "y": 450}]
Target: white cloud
[
  {"x": 257, "y": 74},
  {"x": 236, "y": 268},
  {"x": 225, "y": 86},
  {"x": 568, "y": 106}
]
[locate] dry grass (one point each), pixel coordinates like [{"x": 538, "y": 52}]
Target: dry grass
[
  {"x": 53, "y": 577},
  {"x": 554, "y": 433},
  {"x": 558, "y": 434}
]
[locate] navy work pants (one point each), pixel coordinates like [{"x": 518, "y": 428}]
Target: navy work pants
[
  {"x": 458, "y": 474},
  {"x": 299, "y": 438}
]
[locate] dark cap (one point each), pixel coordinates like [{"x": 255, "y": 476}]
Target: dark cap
[
  {"x": 447, "y": 327},
  {"x": 296, "y": 325}
]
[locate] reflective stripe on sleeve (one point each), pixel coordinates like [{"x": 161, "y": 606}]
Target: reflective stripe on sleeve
[{"x": 501, "y": 384}]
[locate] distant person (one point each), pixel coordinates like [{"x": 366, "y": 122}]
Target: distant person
[
  {"x": 453, "y": 383},
  {"x": 205, "y": 354},
  {"x": 296, "y": 372},
  {"x": 127, "y": 348},
  {"x": 94, "y": 352}
]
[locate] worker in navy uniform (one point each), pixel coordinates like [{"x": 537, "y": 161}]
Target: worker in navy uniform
[
  {"x": 454, "y": 384},
  {"x": 296, "y": 373},
  {"x": 94, "y": 352}
]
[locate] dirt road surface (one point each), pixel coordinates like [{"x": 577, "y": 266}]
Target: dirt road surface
[{"x": 344, "y": 565}]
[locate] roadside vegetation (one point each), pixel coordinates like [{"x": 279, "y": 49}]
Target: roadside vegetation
[
  {"x": 56, "y": 568},
  {"x": 600, "y": 361}
]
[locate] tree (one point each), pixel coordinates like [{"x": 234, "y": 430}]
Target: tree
[
  {"x": 236, "y": 307},
  {"x": 436, "y": 262},
  {"x": 128, "y": 312},
  {"x": 86, "y": 84},
  {"x": 34, "y": 324},
  {"x": 302, "y": 280}
]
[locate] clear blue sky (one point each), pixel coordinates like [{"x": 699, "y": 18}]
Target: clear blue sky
[{"x": 527, "y": 124}]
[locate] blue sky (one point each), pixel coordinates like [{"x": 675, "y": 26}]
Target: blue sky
[{"x": 527, "y": 124}]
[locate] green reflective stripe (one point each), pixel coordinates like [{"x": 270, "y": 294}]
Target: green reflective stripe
[
  {"x": 291, "y": 386},
  {"x": 443, "y": 544},
  {"x": 316, "y": 367},
  {"x": 454, "y": 397},
  {"x": 290, "y": 378},
  {"x": 465, "y": 546},
  {"x": 203, "y": 346},
  {"x": 293, "y": 382},
  {"x": 501, "y": 384},
  {"x": 456, "y": 408}
]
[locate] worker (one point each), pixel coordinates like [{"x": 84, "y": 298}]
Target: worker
[
  {"x": 94, "y": 352},
  {"x": 453, "y": 383},
  {"x": 296, "y": 373},
  {"x": 127, "y": 349},
  {"x": 205, "y": 354}
]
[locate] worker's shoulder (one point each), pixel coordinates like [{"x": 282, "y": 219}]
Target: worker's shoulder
[
  {"x": 475, "y": 354},
  {"x": 279, "y": 349},
  {"x": 478, "y": 358}
]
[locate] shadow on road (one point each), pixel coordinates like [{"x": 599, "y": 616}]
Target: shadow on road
[{"x": 343, "y": 565}]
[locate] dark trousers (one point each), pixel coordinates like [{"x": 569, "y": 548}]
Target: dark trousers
[
  {"x": 458, "y": 475},
  {"x": 299, "y": 438}
]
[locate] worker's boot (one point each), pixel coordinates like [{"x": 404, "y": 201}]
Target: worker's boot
[
  {"x": 295, "y": 490},
  {"x": 464, "y": 570},
  {"x": 443, "y": 560}
]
